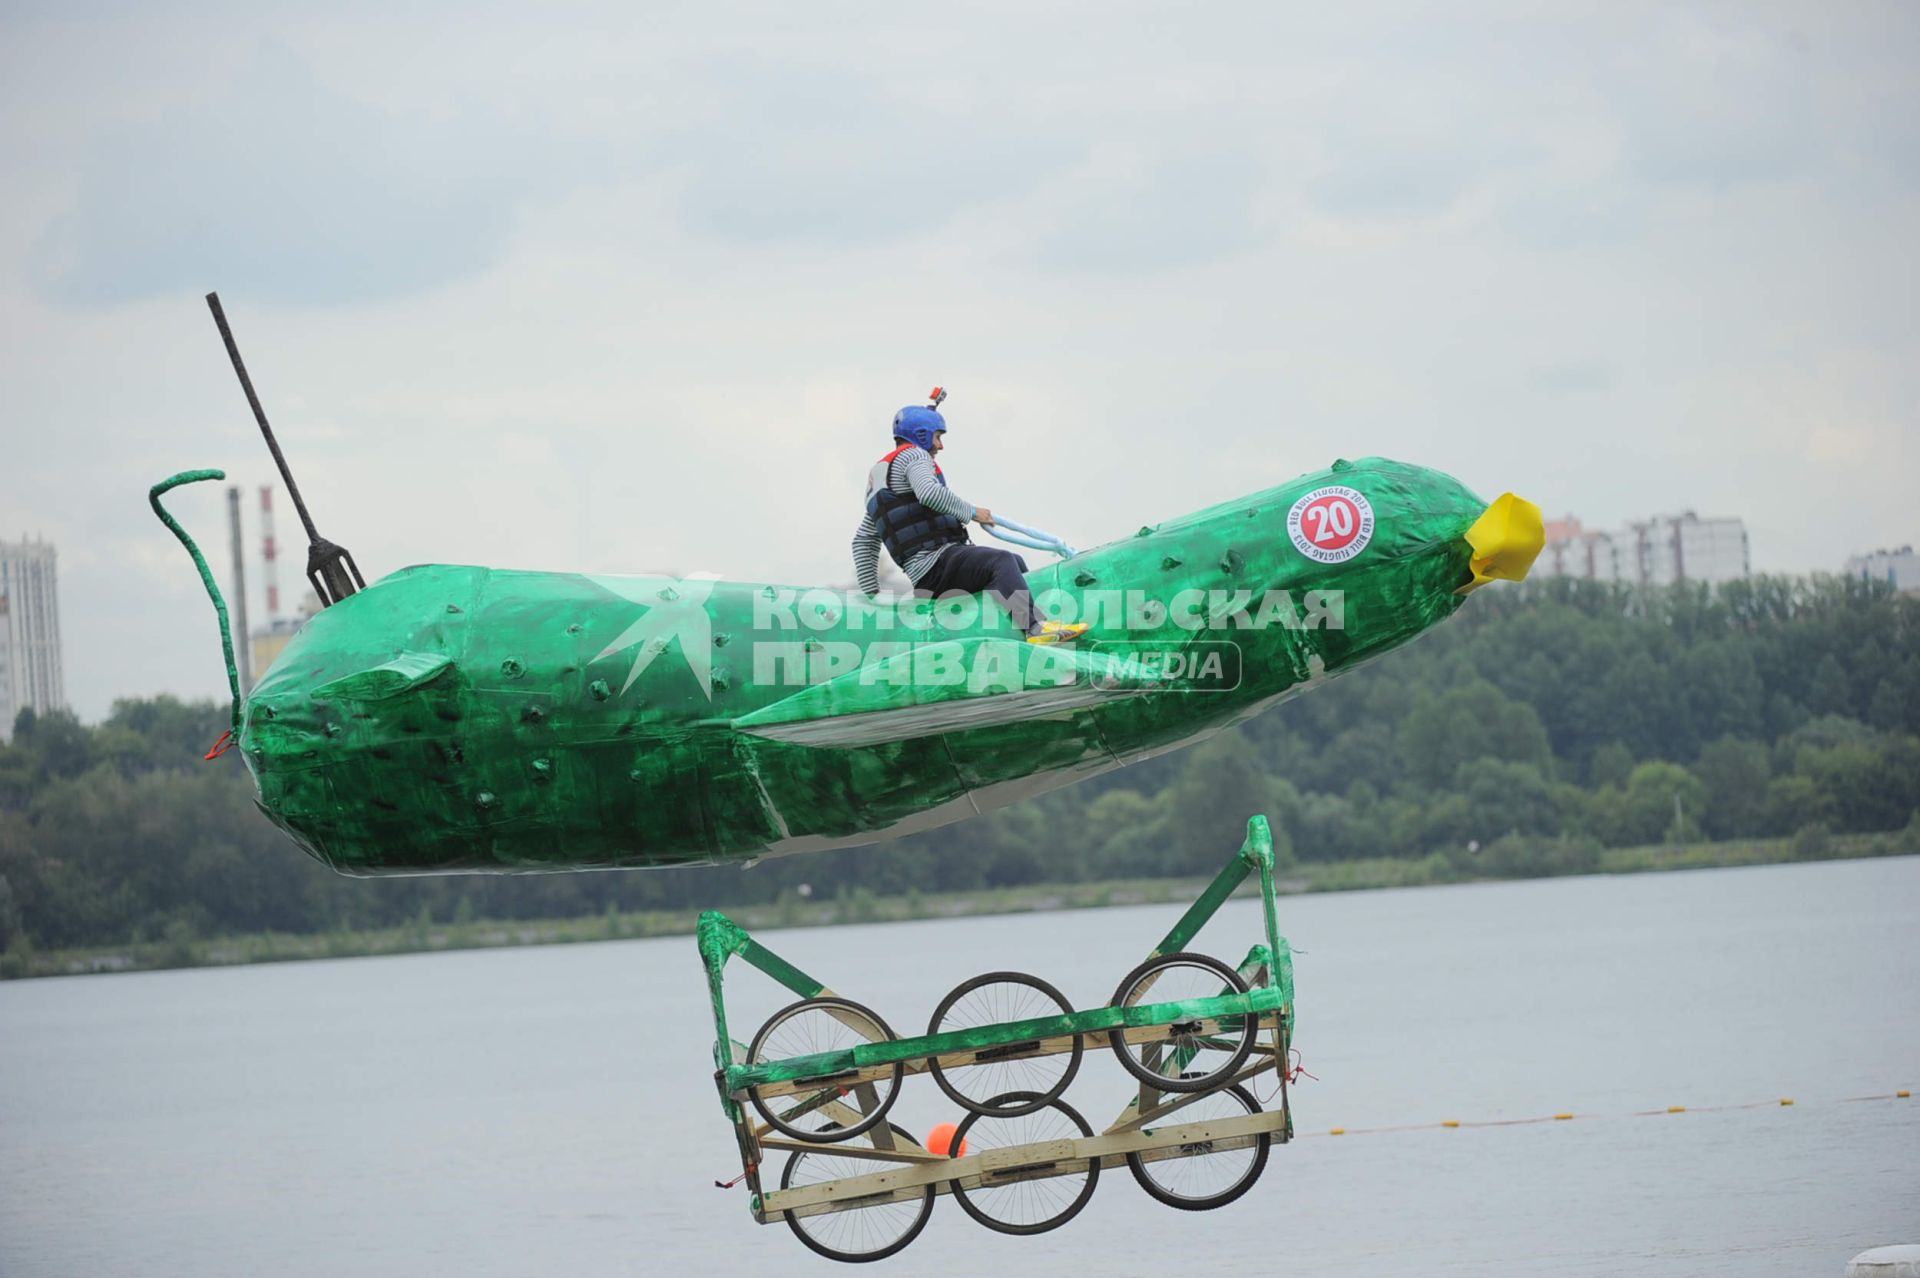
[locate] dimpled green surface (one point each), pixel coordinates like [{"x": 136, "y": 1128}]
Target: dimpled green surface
[{"x": 451, "y": 718}]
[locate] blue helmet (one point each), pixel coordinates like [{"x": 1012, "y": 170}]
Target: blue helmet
[{"x": 916, "y": 423}]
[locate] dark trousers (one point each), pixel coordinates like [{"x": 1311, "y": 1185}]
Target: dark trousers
[{"x": 971, "y": 569}]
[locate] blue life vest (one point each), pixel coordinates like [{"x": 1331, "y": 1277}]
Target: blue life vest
[{"x": 907, "y": 525}]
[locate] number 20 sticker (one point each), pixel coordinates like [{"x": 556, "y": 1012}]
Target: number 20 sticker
[{"x": 1331, "y": 525}]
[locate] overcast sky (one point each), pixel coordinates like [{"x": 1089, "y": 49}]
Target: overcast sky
[{"x": 640, "y": 286}]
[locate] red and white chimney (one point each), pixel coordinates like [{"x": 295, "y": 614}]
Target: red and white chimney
[{"x": 269, "y": 554}]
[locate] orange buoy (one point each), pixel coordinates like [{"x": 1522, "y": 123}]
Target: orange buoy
[{"x": 940, "y": 1140}]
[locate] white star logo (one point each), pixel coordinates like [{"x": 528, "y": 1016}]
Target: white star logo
[{"x": 676, "y": 609}]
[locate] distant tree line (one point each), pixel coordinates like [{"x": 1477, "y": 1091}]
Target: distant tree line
[{"x": 1537, "y": 727}]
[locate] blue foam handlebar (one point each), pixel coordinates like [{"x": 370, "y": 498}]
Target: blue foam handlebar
[{"x": 1033, "y": 538}]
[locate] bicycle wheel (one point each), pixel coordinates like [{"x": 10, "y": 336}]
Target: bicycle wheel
[
  {"x": 868, "y": 1229},
  {"x": 1026, "y": 1198},
  {"x": 997, "y": 999},
  {"x": 808, "y": 1027},
  {"x": 1201, "y": 1176},
  {"x": 1191, "y": 1058}
]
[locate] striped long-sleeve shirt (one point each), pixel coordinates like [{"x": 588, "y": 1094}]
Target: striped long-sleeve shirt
[{"x": 913, "y": 476}]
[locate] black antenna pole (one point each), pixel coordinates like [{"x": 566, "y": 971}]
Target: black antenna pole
[{"x": 330, "y": 569}]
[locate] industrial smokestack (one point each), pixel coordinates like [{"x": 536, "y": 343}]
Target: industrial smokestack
[
  {"x": 243, "y": 649},
  {"x": 271, "y": 572}
]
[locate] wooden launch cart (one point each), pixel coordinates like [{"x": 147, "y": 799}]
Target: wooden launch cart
[{"x": 820, "y": 1076}]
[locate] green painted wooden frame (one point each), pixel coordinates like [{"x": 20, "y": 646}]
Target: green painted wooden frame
[{"x": 721, "y": 939}]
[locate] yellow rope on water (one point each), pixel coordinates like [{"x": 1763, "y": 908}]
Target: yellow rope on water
[{"x": 1567, "y": 1116}]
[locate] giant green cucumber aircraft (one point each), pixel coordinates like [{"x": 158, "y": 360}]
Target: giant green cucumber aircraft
[{"x": 464, "y": 719}]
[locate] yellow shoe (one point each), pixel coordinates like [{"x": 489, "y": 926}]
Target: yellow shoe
[{"x": 1058, "y": 632}]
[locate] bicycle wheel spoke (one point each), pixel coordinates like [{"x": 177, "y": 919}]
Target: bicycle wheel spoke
[
  {"x": 1205, "y": 1175},
  {"x": 1032, "y": 1199},
  {"x": 1192, "y": 1057},
  {"x": 861, "y": 1231},
  {"x": 810, "y": 1027},
  {"x": 995, "y": 999}
]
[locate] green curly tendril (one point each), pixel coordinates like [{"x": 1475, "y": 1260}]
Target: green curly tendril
[{"x": 206, "y": 576}]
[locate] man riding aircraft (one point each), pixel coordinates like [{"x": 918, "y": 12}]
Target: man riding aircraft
[{"x": 923, "y": 524}]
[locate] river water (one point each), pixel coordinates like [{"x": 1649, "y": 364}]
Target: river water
[{"x": 551, "y": 1110}]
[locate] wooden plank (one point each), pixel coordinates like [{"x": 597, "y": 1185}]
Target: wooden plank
[
  {"x": 1129, "y": 1119},
  {"x": 1045, "y": 1047},
  {"x": 1003, "y": 1160},
  {"x": 899, "y": 1153},
  {"x": 1064, "y": 1158},
  {"x": 843, "y": 1114},
  {"x": 911, "y": 1193},
  {"x": 1098, "y": 1021}
]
